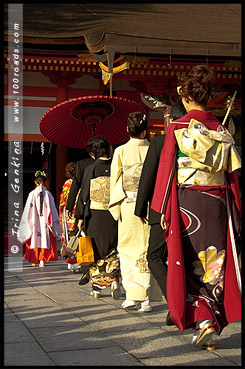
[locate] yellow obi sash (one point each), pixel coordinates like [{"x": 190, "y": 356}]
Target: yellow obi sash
[
  {"x": 131, "y": 179},
  {"x": 100, "y": 193},
  {"x": 131, "y": 176},
  {"x": 209, "y": 154}
]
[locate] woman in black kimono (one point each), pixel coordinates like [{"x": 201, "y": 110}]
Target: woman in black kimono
[{"x": 97, "y": 221}]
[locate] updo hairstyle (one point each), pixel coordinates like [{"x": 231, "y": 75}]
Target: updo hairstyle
[
  {"x": 196, "y": 85},
  {"x": 98, "y": 146},
  {"x": 40, "y": 177},
  {"x": 70, "y": 169},
  {"x": 137, "y": 123}
]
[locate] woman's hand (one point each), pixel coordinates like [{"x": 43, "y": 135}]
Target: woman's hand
[
  {"x": 79, "y": 224},
  {"x": 163, "y": 222},
  {"x": 68, "y": 214},
  {"x": 144, "y": 220}
]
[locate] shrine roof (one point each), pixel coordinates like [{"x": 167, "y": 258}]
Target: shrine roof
[{"x": 213, "y": 25}]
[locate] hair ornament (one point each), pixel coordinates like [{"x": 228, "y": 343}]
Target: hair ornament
[
  {"x": 179, "y": 90},
  {"x": 143, "y": 119},
  {"x": 39, "y": 173}
]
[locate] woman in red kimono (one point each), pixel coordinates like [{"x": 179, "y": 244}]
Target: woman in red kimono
[
  {"x": 197, "y": 192},
  {"x": 68, "y": 221}
]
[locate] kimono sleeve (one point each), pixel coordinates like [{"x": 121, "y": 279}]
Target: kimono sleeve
[
  {"x": 117, "y": 193},
  {"x": 165, "y": 173},
  {"x": 53, "y": 220},
  {"x": 63, "y": 197},
  {"x": 25, "y": 228},
  {"x": 147, "y": 180},
  {"x": 83, "y": 198}
]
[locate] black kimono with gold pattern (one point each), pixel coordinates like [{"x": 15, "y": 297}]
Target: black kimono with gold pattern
[{"x": 92, "y": 207}]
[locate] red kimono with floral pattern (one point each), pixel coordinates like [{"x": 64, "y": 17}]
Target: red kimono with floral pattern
[
  {"x": 70, "y": 221},
  {"x": 201, "y": 282}
]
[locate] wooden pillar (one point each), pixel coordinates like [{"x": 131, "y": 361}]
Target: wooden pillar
[{"x": 45, "y": 167}]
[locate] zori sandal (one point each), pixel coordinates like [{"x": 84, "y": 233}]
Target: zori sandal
[
  {"x": 205, "y": 333},
  {"x": 209, "y": 346}
]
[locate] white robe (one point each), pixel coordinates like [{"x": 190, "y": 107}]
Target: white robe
[{"x": 36, "y": 227}]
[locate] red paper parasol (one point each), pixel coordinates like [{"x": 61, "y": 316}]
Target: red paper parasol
[{"x": 72, "y": 122}]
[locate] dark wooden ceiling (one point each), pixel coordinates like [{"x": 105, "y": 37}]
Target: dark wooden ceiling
[{"x": 67, "y": 26}]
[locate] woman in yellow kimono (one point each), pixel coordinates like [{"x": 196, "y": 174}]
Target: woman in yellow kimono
[{"x": 133, "y": 234}]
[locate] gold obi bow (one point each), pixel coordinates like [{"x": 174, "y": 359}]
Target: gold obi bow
[
  {"x": 100, "y": 193},
  {"x": 208, "y": 150}
]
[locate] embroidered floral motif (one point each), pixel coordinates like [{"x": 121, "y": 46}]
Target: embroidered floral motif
[
  {"x": 141, "y": 263},
  {"x": 211, "y": 266},
  {"x": 136, "y": 177},
  {"x": 131, "y": 176},
  {"x": 105, "y": 271},
  {"x": 70, "y": 221},
  {"x": 100, "y": 192},
  {"x": 135, "y": 183}
]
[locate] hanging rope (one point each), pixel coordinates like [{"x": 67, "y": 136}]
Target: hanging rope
[{"x": 42, "y": 148}]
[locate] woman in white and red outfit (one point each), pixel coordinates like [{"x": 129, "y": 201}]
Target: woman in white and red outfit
[
  {"x": 197, "y": 192},
  {"x": 39, "y": 225}
]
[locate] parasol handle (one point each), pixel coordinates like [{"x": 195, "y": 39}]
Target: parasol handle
[
  {"x": 229, "y": 107},
  {"x": 93, "y": 126},
  {"x": 111, "y": 85}
]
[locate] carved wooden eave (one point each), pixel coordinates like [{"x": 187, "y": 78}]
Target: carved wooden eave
[{"x": 139, "y": 45}]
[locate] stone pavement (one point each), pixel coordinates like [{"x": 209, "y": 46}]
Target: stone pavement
[{"x": 52, "y": 321}]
